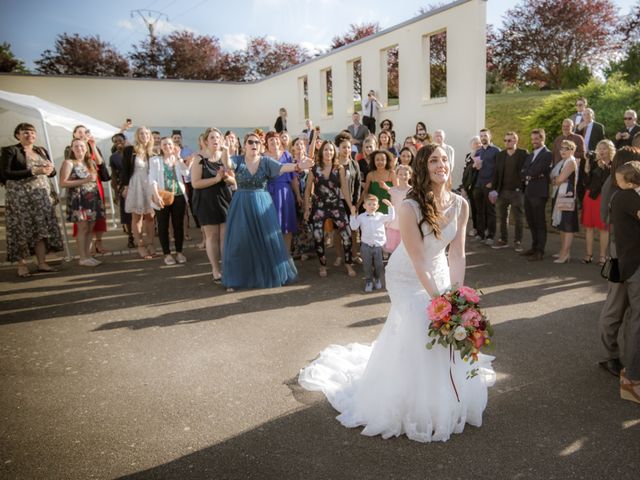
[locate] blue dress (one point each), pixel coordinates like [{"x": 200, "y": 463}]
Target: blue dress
[
  {"x": 254, "y": 252},
  {"x": 283, "y": 198}
]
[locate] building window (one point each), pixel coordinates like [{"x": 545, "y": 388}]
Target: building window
[
  {"x": 326, "y": 82},
  {"x": 354, "y": 69},
  {"x": 390, "y": 91},
  {"x": 438, "y": 65},
  {"x": 303, "y": 96}
]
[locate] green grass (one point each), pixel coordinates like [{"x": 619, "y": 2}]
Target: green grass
[{"x": 508, "y": 111}]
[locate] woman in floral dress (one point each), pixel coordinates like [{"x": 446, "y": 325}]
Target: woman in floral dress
[
  {"x": 32, "y": 225},
  {"x": 84, "y": 203},
  {"x": 328, "y": 182}
]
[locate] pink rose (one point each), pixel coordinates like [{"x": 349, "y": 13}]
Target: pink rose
[
  {"x": 439, "y": 310},
  {"x": 469, "y": 294},
  {"x": 471, "y": 318}
]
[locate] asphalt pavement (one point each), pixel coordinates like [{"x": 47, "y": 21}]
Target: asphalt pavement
[{"x": 137, "y": 370}]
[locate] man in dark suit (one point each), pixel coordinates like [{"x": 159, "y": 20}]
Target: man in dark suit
[
  {"x": 535, "y": 175},
  {"x": 592, "y": 132},
  {"x": 507, "y": 184},
  {"x": 576, "y": 118},
  {"x": 625, "y": 136}
]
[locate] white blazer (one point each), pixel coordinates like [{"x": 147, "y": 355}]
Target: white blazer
[{"x": 156, "y": 176}]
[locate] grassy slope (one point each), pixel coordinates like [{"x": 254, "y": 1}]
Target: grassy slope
[{"x": 507, "y": 111}]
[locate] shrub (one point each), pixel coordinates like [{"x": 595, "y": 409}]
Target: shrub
[{"x": 608, "y": 100}]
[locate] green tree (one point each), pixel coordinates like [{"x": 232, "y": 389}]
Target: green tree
[
  {"x": 8, "y": 62},
  {"x": 628, "y": 67}
]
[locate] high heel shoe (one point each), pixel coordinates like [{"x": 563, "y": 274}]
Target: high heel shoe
[
  {"x": 322, "y": 271},
  {"x": 629, "y": 390},
  {"x": 562, "y": 260},
  {"x": 587, "y": 259},
  {"x": 338, "y": 262},
  {"x": 602, "y": 261}
]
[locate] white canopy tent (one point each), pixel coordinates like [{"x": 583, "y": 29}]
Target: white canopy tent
[{"x": 54, "y": 125}]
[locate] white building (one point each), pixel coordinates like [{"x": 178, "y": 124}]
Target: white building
[{"x": 456, "y": 104}]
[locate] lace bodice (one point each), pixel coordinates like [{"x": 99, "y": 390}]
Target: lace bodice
[
  {"x": 268, "y": 168},
  {"x": 400, "y": 269}
]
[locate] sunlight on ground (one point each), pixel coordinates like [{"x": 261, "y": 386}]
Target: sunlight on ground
[
  {"x": 630, "y": 423},
  {"x": 573, "y": 448}
]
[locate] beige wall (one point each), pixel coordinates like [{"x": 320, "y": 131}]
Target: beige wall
[{"x": 201, "y": 104}]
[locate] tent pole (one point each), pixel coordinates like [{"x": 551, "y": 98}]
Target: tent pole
[
  {"x": 113, "y": 210},
  {"x": 67, "y": 250}
]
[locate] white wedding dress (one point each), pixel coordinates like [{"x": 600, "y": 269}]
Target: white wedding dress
[{"x": 396, "y": 385}]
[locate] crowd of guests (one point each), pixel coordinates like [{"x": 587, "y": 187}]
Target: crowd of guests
[{"x": 277, "y": 197}]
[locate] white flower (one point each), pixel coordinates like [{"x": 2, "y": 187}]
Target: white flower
[{"x": 460, "y": 333}]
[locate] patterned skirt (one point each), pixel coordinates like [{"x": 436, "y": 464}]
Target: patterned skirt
[{"x": 30, "y": 217}]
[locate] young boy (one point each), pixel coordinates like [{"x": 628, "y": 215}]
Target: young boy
[{"x": 373, "y": 237}]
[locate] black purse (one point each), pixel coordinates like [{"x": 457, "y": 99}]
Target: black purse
[{"x": 611, "y": 270}]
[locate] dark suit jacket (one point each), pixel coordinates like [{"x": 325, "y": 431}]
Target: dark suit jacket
[
  {"x": 536, "y": 175},
  {"x": 597, "y": 134},
  {"x": 280, "y": 125},
  {"x": 13, "y": 162},
  {"x": 627, "y": 143},
  {"x": 519, "y": 156}
]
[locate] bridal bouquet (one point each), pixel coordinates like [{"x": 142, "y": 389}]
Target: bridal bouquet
[{"x": 457, "y": 322}]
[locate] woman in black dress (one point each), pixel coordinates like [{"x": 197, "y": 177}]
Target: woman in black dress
[{"x": 211, "y": 198}]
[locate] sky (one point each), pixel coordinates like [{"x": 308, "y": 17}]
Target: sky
[{"x": 31, "y": 26}]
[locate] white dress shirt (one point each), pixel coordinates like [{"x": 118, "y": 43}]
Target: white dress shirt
[{"x": 371, "y": 226}]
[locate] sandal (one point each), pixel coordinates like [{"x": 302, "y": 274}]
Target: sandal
[
  {"x": 322, "y": 271},
  {"x": 629, "y": 390},
  {"x": 338, "y": 262},
  {"x": 23, "y": 271},
  {"x": 44, "y": 268},
  {"x": 100, "y": 250},
  {"x": 143, "y": 253},
  {"x": 350, "y": 271},
  {"x": 587, "y": 259},
  {"x": 602, "y": 261}
]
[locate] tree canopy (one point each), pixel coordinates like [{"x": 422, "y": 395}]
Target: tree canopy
[
  {"x": 8, "y": 61},
  {"x": 76, "y": 55},
  {"x": 541, "y": 40}
]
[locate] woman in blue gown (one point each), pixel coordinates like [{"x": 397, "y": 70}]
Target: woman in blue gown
[{"x": 255, "y": 255}]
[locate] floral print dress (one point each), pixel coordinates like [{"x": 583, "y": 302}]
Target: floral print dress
[
  {"x": 83, "y": 202},
  {"x": 30, "y": 215},
  {"x": 328, "y": 205}
]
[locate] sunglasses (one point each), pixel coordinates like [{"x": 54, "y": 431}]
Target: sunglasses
[
  {"x": 253, "y": 142},
  {"x": 628, "y": 118}
]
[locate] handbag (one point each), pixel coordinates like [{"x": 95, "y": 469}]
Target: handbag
[
  {"x": 166, "y": 196},
  {"x": 611, "y": 270},
  {"x": 568, "y": 204}
]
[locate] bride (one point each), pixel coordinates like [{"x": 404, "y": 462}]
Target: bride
[{"x": 396, "y": 386}]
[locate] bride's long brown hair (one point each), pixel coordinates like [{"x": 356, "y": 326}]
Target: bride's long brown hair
[{"x": 422, "y": 190}]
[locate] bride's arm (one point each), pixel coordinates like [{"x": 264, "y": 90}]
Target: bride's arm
[
  {"x": 410, "y": 233},
  {"x": 457, "y": 257}
]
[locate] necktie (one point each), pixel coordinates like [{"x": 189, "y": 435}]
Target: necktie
[{"x": 371, "y": 108}]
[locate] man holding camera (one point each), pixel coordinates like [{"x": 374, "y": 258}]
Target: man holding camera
[{"x": 370, "y": 109}]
